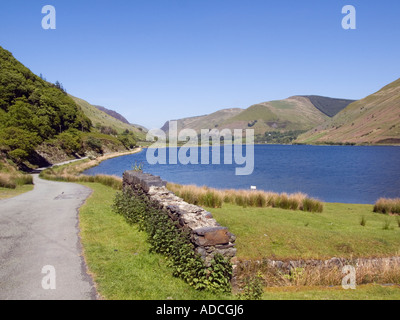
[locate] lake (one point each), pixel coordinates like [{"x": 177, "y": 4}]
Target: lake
[{"x": 346, "y": 174}]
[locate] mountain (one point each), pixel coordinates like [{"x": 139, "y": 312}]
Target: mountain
[
  {"x": 41, "y": 124},
  {"x": 121, "y": 118},
  {"x": 295, "y": 114},
  {"x": 372, "y": 120},
  {"x": 113, "y": 114},
  {"x": 140, "y": 127},
  {"x": 33, "y": 110},
  {"x": 102, "y": 119},
  {"x": 329, "y": 106},
  {"x": 209, "y": 121}
]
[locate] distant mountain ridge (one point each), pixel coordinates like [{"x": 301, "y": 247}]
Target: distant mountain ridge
[
  {"x": 372, "y": 120},
  {"x": 329, "y": 106},
  {"x": 208, "y": 121},
  {"x": 113, "y": 114},
  {"x": 297, "y": 113}
]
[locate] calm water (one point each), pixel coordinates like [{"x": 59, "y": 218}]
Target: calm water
[{"x": 346, "y": 174}]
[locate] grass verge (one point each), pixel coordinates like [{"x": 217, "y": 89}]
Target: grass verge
[
  {"x": 118, "y": 256},
  {"x": 72, "y": 172},
  {"x": 6, "y": 193}
]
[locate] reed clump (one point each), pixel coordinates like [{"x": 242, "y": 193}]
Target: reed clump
[
  {"x": 387, "y": 206},
  {"x": 209, "y": 197},
  {"x": 110, "y": 181},
  {"x": 13, "y": 180},
  {"x": 321, "y": 275},
  {"x": 73, "y": 172}
]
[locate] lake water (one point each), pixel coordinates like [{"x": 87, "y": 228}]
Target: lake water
[{"x": 346, "y": 174}]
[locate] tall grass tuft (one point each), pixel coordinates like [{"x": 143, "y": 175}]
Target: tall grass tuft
[
  {"x": 209, "y": 197},
  {"x": 312, "y": 205},
  {"x": 15, "y": 179},
  {"x": 387, "y": 206},
  {"x": 363, "y": 221},
  {"x": 110, "y": 181}
]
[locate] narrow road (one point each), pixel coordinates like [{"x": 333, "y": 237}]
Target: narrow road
[{"x": 40, "y": 229}]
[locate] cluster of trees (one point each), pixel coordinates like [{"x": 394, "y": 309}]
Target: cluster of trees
[
  {"x": 127, "y": 138},
  {"x": 33, "y": 110},
  {"x": 278, "y": 137}
]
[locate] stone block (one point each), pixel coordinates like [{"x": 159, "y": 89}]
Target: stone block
[{"x": 211, "y": 236}]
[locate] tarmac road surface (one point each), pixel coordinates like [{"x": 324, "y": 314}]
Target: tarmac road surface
[{"x": 40, "y": 247}]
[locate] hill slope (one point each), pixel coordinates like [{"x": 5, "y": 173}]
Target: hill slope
[
  {"x": 296, "y": 114},
  {"x": 209, "y": 121},
  {"x": 329, "y": 106},
  {"x": 100, "y": 119},
  {"x": 41, "y": 124},
  {"x": 113, "y": 114},
  {"x": 33, "y": 110},
  {"x": 372, "y": 120}
]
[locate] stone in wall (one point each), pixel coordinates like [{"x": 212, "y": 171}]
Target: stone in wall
[{"x": 206, "y": 234}]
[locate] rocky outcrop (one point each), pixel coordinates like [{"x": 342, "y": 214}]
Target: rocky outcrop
[{"x": 206, "y": 234}]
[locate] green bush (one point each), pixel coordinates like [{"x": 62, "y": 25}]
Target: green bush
[
  {"x": 70, "y": 141},
  {"x": 252, "y": 288},
  {"x": 94, "y": 144}
]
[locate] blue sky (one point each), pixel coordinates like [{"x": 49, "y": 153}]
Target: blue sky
[{"x": 156, "y": 60}]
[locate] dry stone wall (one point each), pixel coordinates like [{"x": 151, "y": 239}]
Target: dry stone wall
[{"x": 206, "y": 234}]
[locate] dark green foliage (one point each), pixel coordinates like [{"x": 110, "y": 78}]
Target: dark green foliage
[
  {"x": 128, "y": 139},
  {"x": 277, "y": 137},
  {"x": 70, "y": 141},
  {"x": 165, "y": 237},
  {"x": 17, "y": 142},
  {"x": 94, "y": 144},
  {"x": 33, "y": 107},
  {"x": 107, "y": 130},
  {"x": 363, "y": 221},
  {"x": 252, "y": 288}
]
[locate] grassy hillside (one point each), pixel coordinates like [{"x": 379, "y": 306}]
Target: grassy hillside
[
  {"x": 295, "y": 113},
  {"x": 41, "y": 124},
  {"x": 32, "y": 110},
  {"x": 372, "y": 120},
  {"x": 209, "y": 121},
  {"x": 278, "y": 121},
  {"x": 101, "y": 119}
]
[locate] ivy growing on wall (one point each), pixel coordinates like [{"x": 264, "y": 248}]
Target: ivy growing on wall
[{"x": 167, "y": 238}]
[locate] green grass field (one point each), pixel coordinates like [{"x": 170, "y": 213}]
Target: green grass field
[
  {"x": 6, "y": 193},
  {"x": 123, "y": 269},
  {"x": 119, "y": 259},
  {"x": 285, "y": 234}
]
